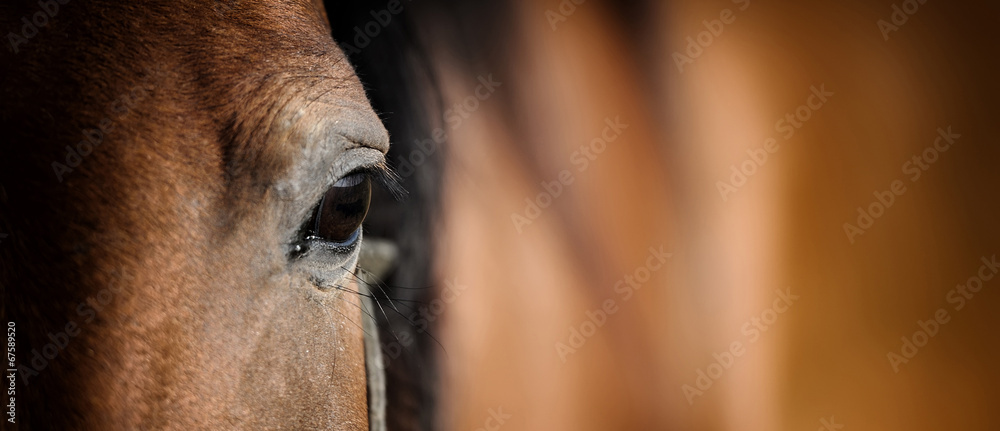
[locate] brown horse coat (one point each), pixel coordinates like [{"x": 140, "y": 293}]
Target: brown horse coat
[{"x": 158, "y": 161}]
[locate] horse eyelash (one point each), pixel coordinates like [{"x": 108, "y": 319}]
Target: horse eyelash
[{"x": 387, "y": 178}]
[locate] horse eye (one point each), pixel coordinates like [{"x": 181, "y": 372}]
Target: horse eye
[{"x": 339, "y": 215}]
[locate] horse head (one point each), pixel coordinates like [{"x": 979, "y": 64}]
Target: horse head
[{"x": 185, "y": 183}]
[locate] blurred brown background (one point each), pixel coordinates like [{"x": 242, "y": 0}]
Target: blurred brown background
[{"x": 824, "y": 361}]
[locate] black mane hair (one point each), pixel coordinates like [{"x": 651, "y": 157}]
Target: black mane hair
[{"x": 394, "y": 61}]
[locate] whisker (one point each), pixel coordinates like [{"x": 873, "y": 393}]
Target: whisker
[
  {"x": 386, "y": 295},
  {"x": 407, "y": 319},
  {"x": 342, "y": 288},
  {"x": 372, "y": 296},
  {"x": 327, "y": 308},
  {"x": 372, "y": 274}
]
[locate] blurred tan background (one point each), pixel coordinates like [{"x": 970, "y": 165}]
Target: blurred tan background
[{"x": 826, "y": 358}]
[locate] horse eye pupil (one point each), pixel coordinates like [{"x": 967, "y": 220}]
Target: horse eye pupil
[{"x": 343, "y": 208}]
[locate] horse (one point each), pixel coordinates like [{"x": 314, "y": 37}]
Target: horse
[
  {"x": 625, "y": 215},
  {"x": 183, "y": 189}
]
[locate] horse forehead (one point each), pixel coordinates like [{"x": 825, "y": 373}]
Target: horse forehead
[{"x": 278, "y": 86}]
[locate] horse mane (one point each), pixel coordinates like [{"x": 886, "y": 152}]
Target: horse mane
[
  {"x": 398, "y": 69},
  {"x": 397, "y": 75}
]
